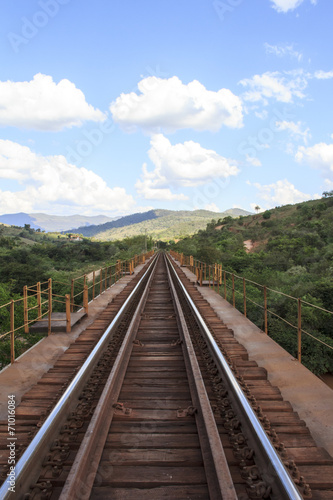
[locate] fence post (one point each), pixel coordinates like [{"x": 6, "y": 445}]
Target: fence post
[
  {"x": 106, "y": 279},
  {"x": 100, "y": 281},
  {"x": 244, "y": 296},
  {"x": 233, "y": 290},
  {"x": 209, "y": 276},
  {"x": 85, "y": 299},
  {"x": 49, "y": 290},
  {"x": 201, "y": 277},
  {"x": 68, "y": 313},
  {"x": 72, "y": 295},
  {"x": 39, "y": 300},
  {"x": 299, "y": 331},
  {"x": 12, "y": 333},
  {"x": 265, "y": 309},
  {"x": 225, "y": 285},
  {"x": 25, "y": 309},
  {"x": 93, "y": 286}
]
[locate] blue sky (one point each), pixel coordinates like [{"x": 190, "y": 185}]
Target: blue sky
[{"x": 118, "y": 107}]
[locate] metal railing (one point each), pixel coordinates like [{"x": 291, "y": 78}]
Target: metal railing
[
  {"x": 236, "y": 289},
  {"x": 40, "y": 300}
]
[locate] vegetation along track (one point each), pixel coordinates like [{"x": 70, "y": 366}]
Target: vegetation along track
[{"x": 168, "y": 406}]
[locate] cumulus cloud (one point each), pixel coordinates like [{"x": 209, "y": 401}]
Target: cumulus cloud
[
  {"x": 283, "y": 50},
  {"x": 295, "y": 129},
  {"x": 287, "y": 5},
  {"x": 170, "y": 105},
  {"x": 319, "y": 156},
  {"x": 181, "y": 165},
  {"x": 281, "y": 192},
  {"x": 50, "y": 181},
  {"x": 275, "y": 85},
  {"x": 44, "y": 105}
]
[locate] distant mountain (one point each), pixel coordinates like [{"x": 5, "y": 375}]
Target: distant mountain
[
  {"x": 53, "y": 223},
  {"x": 160, "y": 224}
]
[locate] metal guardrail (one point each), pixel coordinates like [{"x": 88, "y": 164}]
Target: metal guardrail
[
  {"x": 279, "y": 475},
  {"x": 216, "y": 277},
  {"x": 39, "y": 300}
]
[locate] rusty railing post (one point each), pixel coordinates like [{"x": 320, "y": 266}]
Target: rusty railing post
[
  {"x": 85, "y": 299},
  {"x": 100, "y": 281},
  {"x": 93, "y": 286},
  {"x": 265, "y": 309},
  {"x": 72, "y": 295},
  {"x": 12, "y": 333},
  {"x": 233, "y": 290},
  {"x": 225, "y": 285},
  {"x": 299, "y": 331},
  {"x": 49, "y": 293},
  {"x": 68, "y": 313},
  {"x": 244, "y": 296},
  {"x": 39, "y": 301},
  {"x": 25, "y": 309}
]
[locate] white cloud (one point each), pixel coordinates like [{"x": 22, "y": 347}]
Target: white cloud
[
  {"x": 261, "y": 115},
  {"x": 212, "y": 207},
  {"x": 253, "y": 160},
  {"x": 169, "y": 105},
  {"x": 150, "y": 187},
  {"x": 51, "y": 182},
  {"x": 274, "y": 85},
  {"x": 319, "y": 156},
  {"x": 283, "y": 50},
  {"x": 44, "y": 105},
  {"x": 323, "y": 75},
  {"x": 286, "y": 5},
  {"x": 181, "y": 165},
  {"x": 295, "y": 129},
  {"x": 281, "y": 192}
]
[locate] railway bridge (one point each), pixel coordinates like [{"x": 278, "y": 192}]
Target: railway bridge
[{"x": 164, "y": 391}]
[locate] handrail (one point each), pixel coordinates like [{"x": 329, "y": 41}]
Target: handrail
[
  {"x": 32, "y": 297},
  {"x": 215, "y": 280}
]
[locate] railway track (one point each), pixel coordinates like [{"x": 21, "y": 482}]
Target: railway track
[{"x": 156, "y": 402}]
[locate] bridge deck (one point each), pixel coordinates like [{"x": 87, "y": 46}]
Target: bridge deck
[{"x": 309, "y": 396}]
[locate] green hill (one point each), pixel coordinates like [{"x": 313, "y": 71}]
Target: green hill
[
  {"x": 288, "y": 249},
  {"x": 160, "y": 224}
]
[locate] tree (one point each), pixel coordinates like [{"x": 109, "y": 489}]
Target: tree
[
  {"x": 327, "y": 194},
  {"x": 257, "y": 208}
]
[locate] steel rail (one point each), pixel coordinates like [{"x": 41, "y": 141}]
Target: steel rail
[
  {"x": 279, "y": 475},
  {"x": 219, "y": 480},
  {"x": 24, "y": 469}
]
